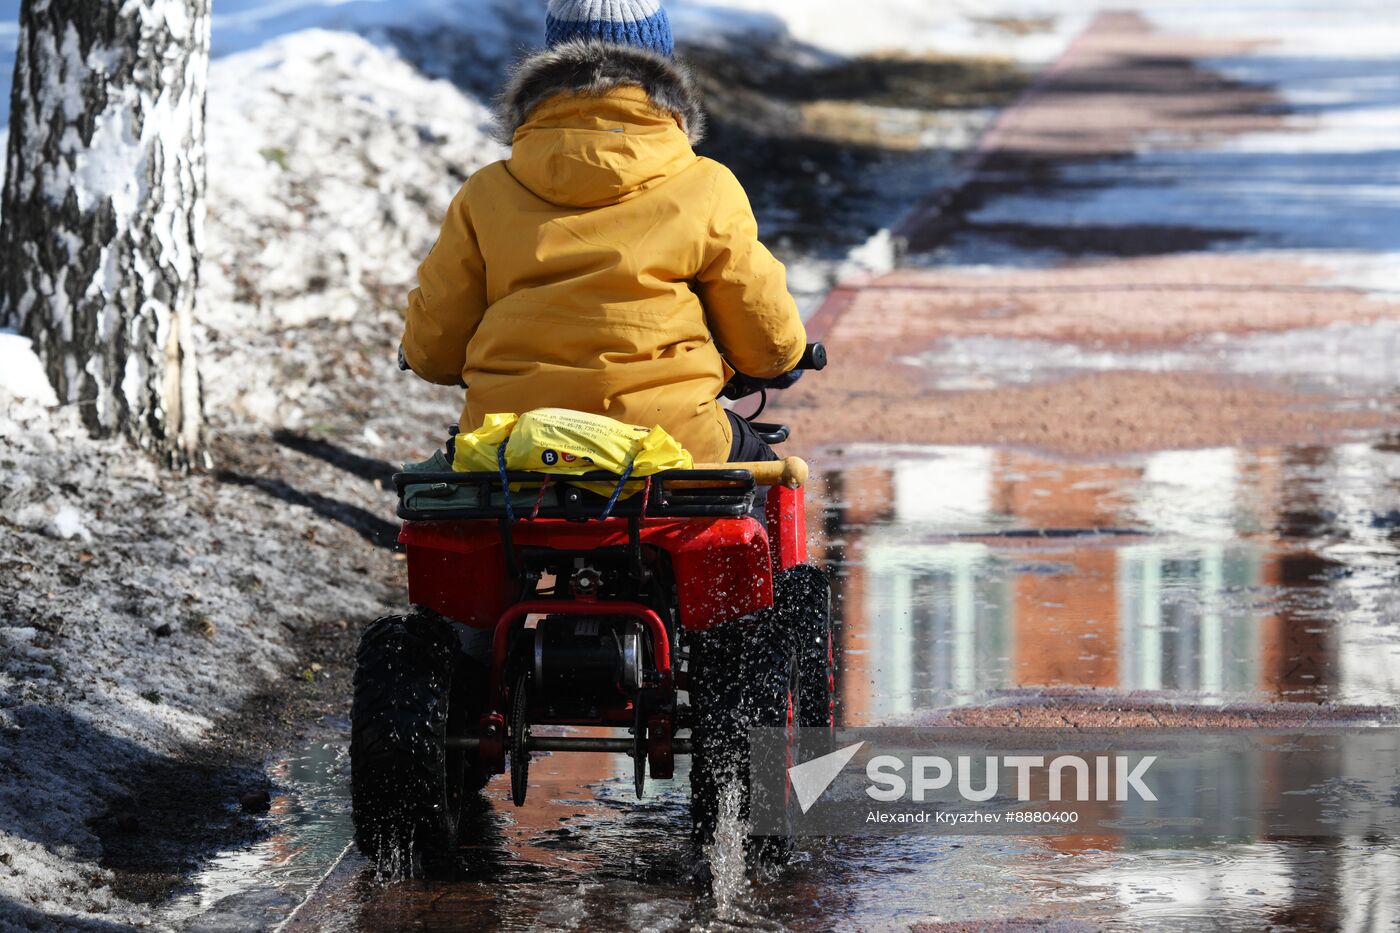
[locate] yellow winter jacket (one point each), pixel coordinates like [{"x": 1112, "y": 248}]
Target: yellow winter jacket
[{"x": 605, "y": 268}]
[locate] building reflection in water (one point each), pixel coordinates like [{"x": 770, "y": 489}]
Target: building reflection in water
[
  {"x": 1218, "y": 574},
  {"x": 1207, "y": 576}
]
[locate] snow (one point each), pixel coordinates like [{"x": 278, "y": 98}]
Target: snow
[
  {"x": 319, "y": 205},
  {"x": 67, "y": 523},
  {"x": 93, "y": 532},
  {"x": 331, "y": 163},
  {"x": 965, "y": 27},
  {"x": 21, "y": 373}
]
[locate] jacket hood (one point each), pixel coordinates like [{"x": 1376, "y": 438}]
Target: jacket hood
[
  {"x": 591, "y": 69},
  {"x": 592, "y": 124}
]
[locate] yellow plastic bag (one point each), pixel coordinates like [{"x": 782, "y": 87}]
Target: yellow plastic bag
[
  {"x": 557, "y": 440},
  {"x": 476, "y": 452}
]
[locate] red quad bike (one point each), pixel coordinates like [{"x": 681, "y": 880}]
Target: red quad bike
[{"x": 552, "y": 605}]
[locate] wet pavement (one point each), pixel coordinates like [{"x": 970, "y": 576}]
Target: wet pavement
[
  {"x": 1117, "y": 447},
  {"x": 980, "y": 587}
]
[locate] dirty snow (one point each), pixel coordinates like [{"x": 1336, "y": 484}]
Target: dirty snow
[
  {"x": 92, "y": 533},
  {"x": 331, "y": 162},
  {"x": 319, "y": 208}
]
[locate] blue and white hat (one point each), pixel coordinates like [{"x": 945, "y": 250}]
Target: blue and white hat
[{"x": 639, "y": 23}]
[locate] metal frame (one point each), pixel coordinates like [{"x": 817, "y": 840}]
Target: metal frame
[
  {"x": 661, "y": 746},
  {"x": 672, "y": 494}
]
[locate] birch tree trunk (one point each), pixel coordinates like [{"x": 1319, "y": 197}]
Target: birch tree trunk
[{"x": 103, "y": 210}]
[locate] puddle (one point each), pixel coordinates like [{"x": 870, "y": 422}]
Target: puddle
[
  {"x": 1209, "y": 576},
  {"x": 968, "y": 577},
  {"x": 1275, "y": 885},
  {"x": 1341, "y": 357},
  {"x": 308, "y": 829}
]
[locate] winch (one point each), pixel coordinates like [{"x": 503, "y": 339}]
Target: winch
[{"x": 584, "y": 663}]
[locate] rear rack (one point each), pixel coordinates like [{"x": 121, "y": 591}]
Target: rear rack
[{"x": 672, "y": 494}]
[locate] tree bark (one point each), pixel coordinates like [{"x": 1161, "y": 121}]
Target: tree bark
[{"x": 103, "y": 210}]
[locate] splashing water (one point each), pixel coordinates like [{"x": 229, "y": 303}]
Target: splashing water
[{"x": 728, "y": 880}]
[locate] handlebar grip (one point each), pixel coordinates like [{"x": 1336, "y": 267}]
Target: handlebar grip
[
  {"x": 791, "y": 472},
  {"x": 814, "y": 357}
]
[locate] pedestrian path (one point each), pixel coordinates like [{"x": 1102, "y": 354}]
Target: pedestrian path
[{"x": 1170, "y": 241}]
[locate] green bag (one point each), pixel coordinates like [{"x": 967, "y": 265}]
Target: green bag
[{"x": 420, "y": 497}]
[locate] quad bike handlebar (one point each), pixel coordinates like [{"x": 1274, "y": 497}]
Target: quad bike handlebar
[
  {"x": 813, "y": 358},
  {"x": 741, "y": 385}
]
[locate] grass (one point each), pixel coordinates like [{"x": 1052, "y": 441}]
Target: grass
[{"x": 276, "y": 155}]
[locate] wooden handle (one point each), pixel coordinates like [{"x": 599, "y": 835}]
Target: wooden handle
[{"x": 790, "y": 472}]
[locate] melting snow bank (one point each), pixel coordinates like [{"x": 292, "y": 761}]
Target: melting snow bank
[
  {"x": 331, "y": 165},
  {"x": 137, "y": 607},
  {"x": 140, "y": 608}
]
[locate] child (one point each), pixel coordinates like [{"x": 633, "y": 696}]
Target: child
[{"x": 604, "y": 267}]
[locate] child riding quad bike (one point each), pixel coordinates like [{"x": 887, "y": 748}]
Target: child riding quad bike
[
  {"x": 536, "y": 602},
  {"x": 606, "y": 269}
]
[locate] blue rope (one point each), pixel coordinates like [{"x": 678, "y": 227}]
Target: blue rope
[
  {"x": 607, "y": 510},
  {"x": 505, "y": 481},
  {"x": 505, "y": 485}
]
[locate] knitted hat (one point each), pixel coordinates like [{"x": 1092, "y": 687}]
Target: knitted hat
[{"x": 639, "y": 23}]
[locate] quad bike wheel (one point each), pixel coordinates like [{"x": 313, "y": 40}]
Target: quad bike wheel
[
  {"x": 520, "y": 739},
  {"x": 413, "y": 687},
  {"x": 770, "y": 671},
  {"x": 804, "y": 600}
]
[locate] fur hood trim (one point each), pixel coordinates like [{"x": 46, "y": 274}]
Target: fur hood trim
[{"x": 592, "y": 69}]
